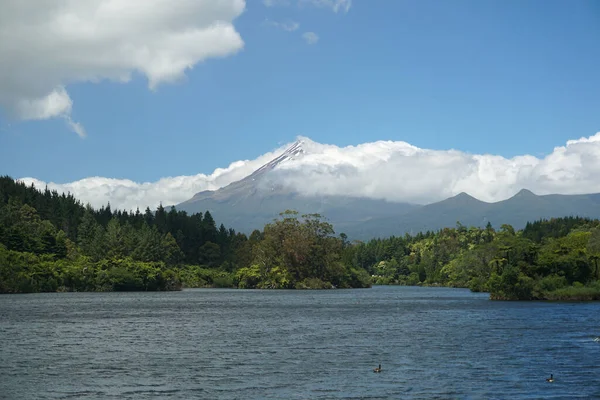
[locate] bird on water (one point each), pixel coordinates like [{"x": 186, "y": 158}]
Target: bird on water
[
  {"x": 378, "y": 369},
  {"x": 551, "y": 379}
]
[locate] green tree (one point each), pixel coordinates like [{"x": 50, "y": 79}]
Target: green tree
[
  {"x": 114, "y": 239},
  {"x": 172, "y": 254},
  {"x": 210, "y": 253},
  {"x": 87, "y": 232},
  {"x": 593, "y": 250}
]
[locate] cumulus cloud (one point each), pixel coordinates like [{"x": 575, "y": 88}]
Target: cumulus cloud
[
  {"x": 46, "y": 45},
  {"x": 395, "y": 171},
  {"x": 127, "y": 194},
  {"x": 398, "y": 171},
  {"x": 310, "y": 37}
]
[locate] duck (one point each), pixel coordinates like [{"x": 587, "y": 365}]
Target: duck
[
  {"x": 378, "y": 369},
  {"x": 551, "y": 379}
]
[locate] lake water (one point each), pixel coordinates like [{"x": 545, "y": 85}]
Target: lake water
[{"x": 244, "y": 344}]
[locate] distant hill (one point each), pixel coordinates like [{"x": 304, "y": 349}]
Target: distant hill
[
  {"x": 252, "y": 202},
  {"x": 516, "y": 211}
]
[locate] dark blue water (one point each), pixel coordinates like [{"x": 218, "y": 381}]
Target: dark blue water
[{"x": 233, "y": 344}]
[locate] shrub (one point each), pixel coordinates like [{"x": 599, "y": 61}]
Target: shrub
[{"x": 313, "y": 283}]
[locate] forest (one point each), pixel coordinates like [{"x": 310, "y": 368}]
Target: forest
[
  {"x": 554, "y": 259},
  {"x": 52, "y": 242}
]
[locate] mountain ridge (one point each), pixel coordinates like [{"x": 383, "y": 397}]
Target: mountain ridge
[{"x": 523, "y": 207}]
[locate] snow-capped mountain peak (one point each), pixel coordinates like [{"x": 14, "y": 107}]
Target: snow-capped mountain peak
[{"x": 291, "y": 153}]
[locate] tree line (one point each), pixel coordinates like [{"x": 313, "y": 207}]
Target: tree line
[
  {"x": 554, "y": 259},
  {"x": 51, "y": 241}
]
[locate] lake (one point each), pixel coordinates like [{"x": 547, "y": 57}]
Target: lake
[{"x": 245, "y": 344}]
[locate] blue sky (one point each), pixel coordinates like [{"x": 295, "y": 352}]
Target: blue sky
[{"x": 500, "y": 77}]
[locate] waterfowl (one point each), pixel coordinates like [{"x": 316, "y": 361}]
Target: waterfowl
[
  {"x": 378, "y": 369},
  {"x": 551, "y": 379}
]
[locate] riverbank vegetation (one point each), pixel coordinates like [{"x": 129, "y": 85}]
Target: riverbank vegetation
[
  {"x": 553, "y": 259},
  {"x": 51, "y": 242}
]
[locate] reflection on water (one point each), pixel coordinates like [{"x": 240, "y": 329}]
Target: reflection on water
[{"x": 228, "y": 344}]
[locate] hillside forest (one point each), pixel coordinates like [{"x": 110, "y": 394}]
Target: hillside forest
[{"x": 52, "y": 242}]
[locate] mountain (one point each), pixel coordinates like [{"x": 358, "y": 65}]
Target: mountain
[
  {"x": 516, "y": 211},
  {"x": 257, "y": 199}
]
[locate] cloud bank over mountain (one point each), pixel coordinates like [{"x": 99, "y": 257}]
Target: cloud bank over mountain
[
  {"x": 398, "y": 171},
  {"x": 127, "y": 194},
  {"x": 46, "y": 45},
  {"x": 395, "y": 171}
]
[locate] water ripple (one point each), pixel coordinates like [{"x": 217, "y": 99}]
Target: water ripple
[{"x": 433, "y": 343}]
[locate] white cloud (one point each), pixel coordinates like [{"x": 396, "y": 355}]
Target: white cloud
[
  {"x": 53, "y": 104},
  {"x": 310, "y": 37},
  {"x": 128, "y": 195},
  {"x": 335, "y": 5},
  {"x": 288, "y": 26},
  {"x": 46, "y": 45},
  {"x": 273, "y": 3},
  {"x": 398, "y": 171},
  {"x": 395, "y": 171},
  {"x": 75, "y": 126}
]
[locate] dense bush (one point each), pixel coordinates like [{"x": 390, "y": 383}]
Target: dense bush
[{"x": 546, "y": 260}]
